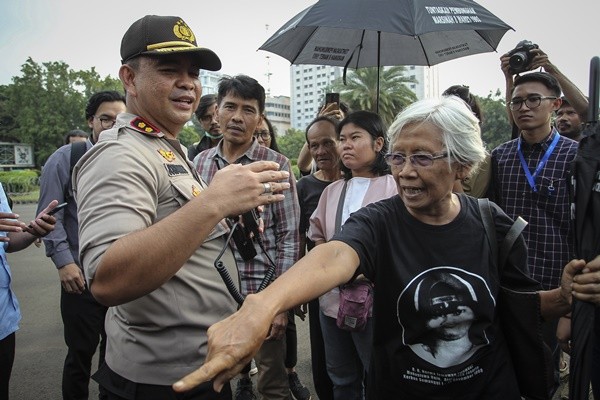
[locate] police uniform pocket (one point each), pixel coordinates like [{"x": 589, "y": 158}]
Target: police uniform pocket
[{"x": 184, "y": 188}]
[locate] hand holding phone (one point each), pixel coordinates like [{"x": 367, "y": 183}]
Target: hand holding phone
[
  {"x": 52, "y": 212},
  {"x": 332, "y": 98},
  {"x": 57, "y": 209}
]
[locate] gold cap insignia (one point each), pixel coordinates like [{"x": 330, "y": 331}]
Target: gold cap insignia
[
  {"x": 183, "y": 32},
  {"x": 167, "y": 155}
]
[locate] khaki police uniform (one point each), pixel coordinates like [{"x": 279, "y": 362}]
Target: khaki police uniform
[{"x": 131, "y": 179}]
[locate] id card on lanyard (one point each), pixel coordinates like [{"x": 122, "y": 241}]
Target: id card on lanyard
[{"x": 531, "y": 177}]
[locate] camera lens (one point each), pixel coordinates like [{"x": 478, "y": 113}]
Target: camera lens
[{"x": 518, "y": 61}]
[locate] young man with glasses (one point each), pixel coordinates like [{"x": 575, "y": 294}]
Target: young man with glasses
[
  {"x": 540, "y": 60},
  {"x": 530, "y": 179},
  {"x": 82, "y": 315}
]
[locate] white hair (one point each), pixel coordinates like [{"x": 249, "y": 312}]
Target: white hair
[{"x": 461, "y": 134}]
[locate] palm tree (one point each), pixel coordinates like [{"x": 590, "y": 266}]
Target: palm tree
[{"x": 360, "y": 91}]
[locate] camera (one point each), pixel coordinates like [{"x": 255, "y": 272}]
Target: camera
[
  {"x": 520, "y": 57},
  {"x": 241, "y": 235}
]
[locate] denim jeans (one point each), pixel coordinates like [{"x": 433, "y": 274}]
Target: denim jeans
[{"x": 347, "y": 355}]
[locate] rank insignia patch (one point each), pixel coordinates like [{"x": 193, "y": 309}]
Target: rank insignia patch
[
  {"x": 195, "y": 191},
  {"x": 144, "y": 127},
  {"x": 167, "y": 155}
]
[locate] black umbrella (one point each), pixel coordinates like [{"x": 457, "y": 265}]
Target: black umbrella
[
  {"x": 375, "y": 33},
  {"x": 586, "y": 189}
]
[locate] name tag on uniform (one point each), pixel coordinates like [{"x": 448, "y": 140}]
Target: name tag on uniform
[{"x": 175, "y": 169}]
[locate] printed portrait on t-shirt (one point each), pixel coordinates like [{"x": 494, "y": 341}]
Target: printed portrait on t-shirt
[{"x": 442, "y": 315}]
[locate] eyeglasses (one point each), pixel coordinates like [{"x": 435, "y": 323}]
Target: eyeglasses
[
  {"x": 106, "y": 122},
  {"x": 416, "y": 160},
  {"x": 531, "y": 102},
  {"x": 264, "y": 135}
]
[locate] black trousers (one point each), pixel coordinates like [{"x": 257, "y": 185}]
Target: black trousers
[
  {"x": 83, "y": 321},
  {"x": 595, "y": 368},
  {"x": 7, "y": 358},
  {"x": 119, "y": 388},
  {"x": 291, "y": 342},
  {"x": 321, "y": 380}
]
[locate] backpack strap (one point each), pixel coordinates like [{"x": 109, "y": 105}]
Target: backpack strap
[
  {"x": 511, "y": 237},
  {"x": 488, "y": 223},
  {"x": 78, "y": 149},
  {"x": 490, "y": 229}
]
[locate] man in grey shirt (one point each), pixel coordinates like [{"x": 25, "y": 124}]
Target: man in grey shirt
[{"x": 82, "y": 315}]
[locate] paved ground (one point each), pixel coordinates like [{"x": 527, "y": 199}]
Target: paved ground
[{"x": 40, "y": 348}]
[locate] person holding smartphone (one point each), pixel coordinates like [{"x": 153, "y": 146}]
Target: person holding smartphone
[
  {"x": 333, "y": 108},
  {"x": 82, "y": 315},
  {"x": 15, "y": 235}
]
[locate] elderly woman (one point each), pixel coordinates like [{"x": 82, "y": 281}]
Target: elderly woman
[{"x": 402, "y": 244}]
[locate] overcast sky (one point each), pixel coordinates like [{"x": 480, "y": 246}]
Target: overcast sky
[{"x": 88, "y": 34}]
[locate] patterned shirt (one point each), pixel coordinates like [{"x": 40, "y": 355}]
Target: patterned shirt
[
  {"x": 280, "y": 237},
  {"x": 548, "y": 234}
]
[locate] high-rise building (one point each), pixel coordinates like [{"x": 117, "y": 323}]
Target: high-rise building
[
  {"x": 209, "y": 81},
  {"x": 277, "y": 110},
  {"x": 427, "y": 81},
  {"x": 308, "y": 84}
]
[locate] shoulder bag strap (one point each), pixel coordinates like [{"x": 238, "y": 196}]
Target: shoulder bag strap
[{"x": 340, "y": 209}]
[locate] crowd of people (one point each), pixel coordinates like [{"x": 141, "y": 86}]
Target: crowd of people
[{"x": 162, "y": 273}]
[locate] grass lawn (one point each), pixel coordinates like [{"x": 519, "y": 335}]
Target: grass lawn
[{"x": 29, "y": 197}]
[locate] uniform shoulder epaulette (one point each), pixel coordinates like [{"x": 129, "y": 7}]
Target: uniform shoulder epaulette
[{"x": 145, "y": 127}]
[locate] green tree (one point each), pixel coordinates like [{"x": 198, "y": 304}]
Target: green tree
[
  {"x": 291, "y": 143},
  {"x": 188, "y": 135},
  {"x": 495, "y": 128},
  {"x": 360, "y": 91},
  {"x": 47, "y": 101}
]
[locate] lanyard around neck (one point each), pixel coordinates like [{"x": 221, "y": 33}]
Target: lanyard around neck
[{"x": 540, "y": 166}]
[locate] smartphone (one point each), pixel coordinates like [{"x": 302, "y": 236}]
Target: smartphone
[
  {"x": 53, "y": 211},
  {"x": 332, "y": 98},
  {"x": 57, "y": 209}
]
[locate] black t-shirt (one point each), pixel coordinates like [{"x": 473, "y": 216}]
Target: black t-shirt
[
  {"x": 309, "y": 189},
  {"x": 436, "y": 333}
]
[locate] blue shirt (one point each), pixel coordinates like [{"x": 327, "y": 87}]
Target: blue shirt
[{"x": 10, "y": 315}]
